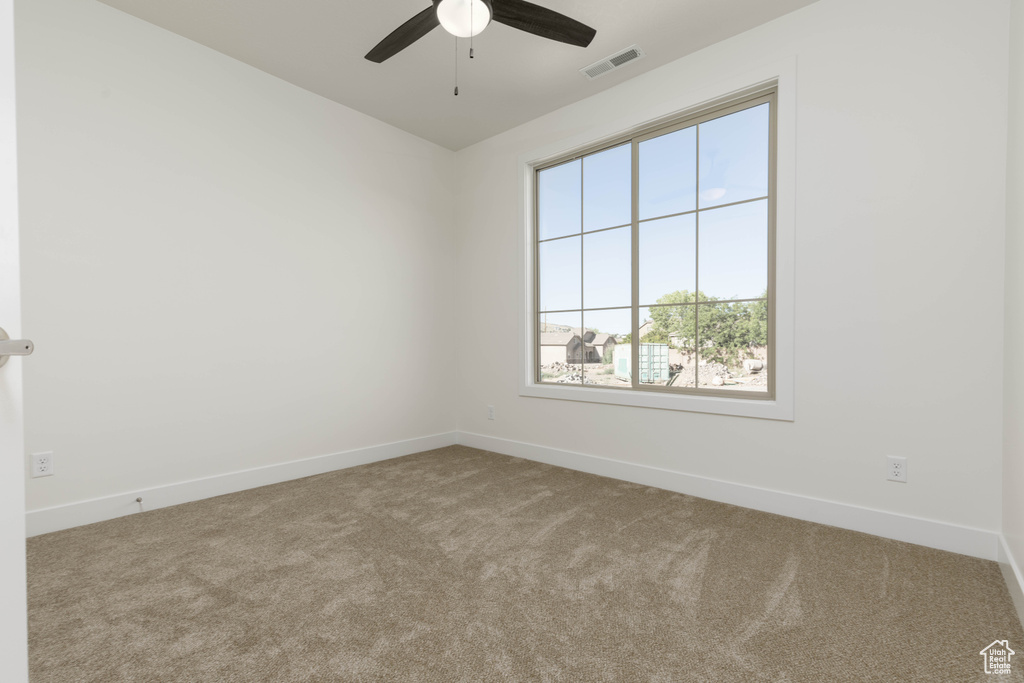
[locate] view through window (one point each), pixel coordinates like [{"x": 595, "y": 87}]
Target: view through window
[{"x": 654, "y": 258}]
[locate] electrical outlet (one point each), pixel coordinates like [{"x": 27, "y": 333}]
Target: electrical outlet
[
  {"x": 42, "y": 464},
  {"x": 896, "y": 469},
  {"x": 490, "y": 412}
]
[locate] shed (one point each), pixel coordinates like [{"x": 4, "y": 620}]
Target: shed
[{"x": 654, "y": 366}]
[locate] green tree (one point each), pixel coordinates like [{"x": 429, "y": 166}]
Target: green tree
[
  {"x": 724, "y": 329},
  {"x": 673, "y": 320}
]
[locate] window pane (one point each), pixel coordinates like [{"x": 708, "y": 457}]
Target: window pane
[
  {"x": 560, "y": 274},
  {"x": 607, "y": 268},
  {"x": 668, "y": 252},
  {"x": 667, "y": 345},
  {"x": 699, "y": 273},
  {"x": 607, "y": 186},
  {"x": 603, "y": 333},
  {"x": 734, "y": 252},
  {"x": 560, "y": 347},
  {"x": 558, "y": 201},
  {"x": 734, "y": 157},
  {"x": 668, "y": 174},
  {"x": 734, "y": 346}
]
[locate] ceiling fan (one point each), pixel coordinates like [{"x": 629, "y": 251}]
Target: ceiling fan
[{"x": 467, "y": 18}]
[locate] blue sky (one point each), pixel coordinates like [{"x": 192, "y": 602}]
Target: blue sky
[{"x": 593, "y": 193}]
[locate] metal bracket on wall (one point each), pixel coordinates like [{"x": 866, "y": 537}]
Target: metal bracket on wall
[{"x": 13, "y": 347}]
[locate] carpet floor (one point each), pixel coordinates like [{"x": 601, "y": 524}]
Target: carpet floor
[{"x": 462, "y": 565}]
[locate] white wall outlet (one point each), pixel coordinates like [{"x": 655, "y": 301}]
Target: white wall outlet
[
  {"x": 42, "y": 464},
  {"x": 490, "y": 412},
  {"x": 896, "y": 469}
]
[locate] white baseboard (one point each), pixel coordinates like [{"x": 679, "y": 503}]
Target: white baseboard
[
  {"x": 959, "y": 539},
  {"x": 1013, "y": 576},
  {"x": 926, "y": 532},
  {"x": 45, "y": 520}
]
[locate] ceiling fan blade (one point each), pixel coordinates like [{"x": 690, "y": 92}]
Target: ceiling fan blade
[
  {"x": 404, "y": 36},
  {"x": 541, "y": 21}
]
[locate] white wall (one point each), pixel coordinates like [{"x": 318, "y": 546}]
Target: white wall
[
  {"x": 1013, "y": 387},
  {"x": 900, "y": 203},
  {"x": 221, "y": 270}
]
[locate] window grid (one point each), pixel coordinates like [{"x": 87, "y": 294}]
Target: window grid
[{"x": 748, "y": 102}]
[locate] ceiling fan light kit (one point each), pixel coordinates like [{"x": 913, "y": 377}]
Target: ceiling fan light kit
[{"x": 464, "y": 18}]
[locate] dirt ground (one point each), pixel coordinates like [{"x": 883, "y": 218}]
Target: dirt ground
[{"x": 603, "y": 374}]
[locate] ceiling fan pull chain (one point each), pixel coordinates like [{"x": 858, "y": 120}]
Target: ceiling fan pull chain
[
  {"x": 471, "y": 25},
  {"x": 456, "y": 66}
]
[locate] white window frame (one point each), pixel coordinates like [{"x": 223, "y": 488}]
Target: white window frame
[{"x": 783, "y": 77}]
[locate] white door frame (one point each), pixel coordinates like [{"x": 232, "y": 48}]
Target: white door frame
[{"x": 13, "y": 626}]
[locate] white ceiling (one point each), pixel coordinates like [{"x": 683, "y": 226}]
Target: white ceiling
[{"x": 515, "y": 77}]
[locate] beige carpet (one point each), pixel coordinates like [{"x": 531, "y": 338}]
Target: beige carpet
[{"x": 461, "y": 565}]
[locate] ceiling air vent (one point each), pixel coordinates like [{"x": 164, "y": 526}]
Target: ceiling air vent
[{"x": 630, "y": 54}]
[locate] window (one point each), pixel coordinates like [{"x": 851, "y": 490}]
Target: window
[{"x": 654, "y": 258}]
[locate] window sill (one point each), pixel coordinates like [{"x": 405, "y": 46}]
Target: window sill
[{"x": 739, "y": 407}]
